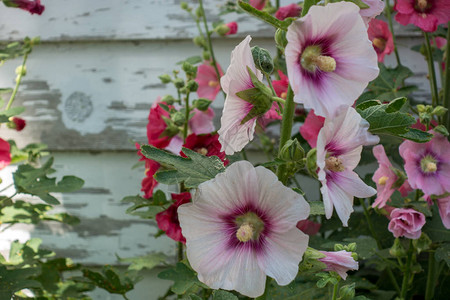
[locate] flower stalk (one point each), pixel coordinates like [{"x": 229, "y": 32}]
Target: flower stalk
[
  {"x": 18, "y": 80},
  {"x": 286, "y": 127},
  {"x": 391, "y": 28},
  {"x": 431, "y": 70},
  {"x": 446, "y": 83},
  {"x": 407, "y": 272},
  {"x": 429, "y": 292}
]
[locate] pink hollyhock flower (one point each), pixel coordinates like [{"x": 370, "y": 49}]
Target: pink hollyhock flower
[
  {"x": 405, "y": 188},
  {"x": 329, "y": 57},
  {"x": 339, "y": 262},
  {"x": 156, "y": 126},
  {"x": 376, "y": 7},
  {"x": 308, "y": 227},
  {"x": 281, "y": 86},
  {"x": 384, "y": 177},
  {"x": 241, "y": 227},
  {"x": 206, "y": 144},
  {"x": 168, "y": 220},
  {"x": 425, "y": 14},
  {"x": 444, "y": 211},
  {"x": 232, "y": 134},
  {"x": 208, "y": 83},
  {"x": 339, "y": 147},
  {"x": 202, "y": 121},
  {"x": 289, "y": 11},
  {"x": 440, "y": 42},
  {"x": 406, "y": 222},
  {"x": 311, "y": 127},
  {"x": 33, "y": 7},
  {"x": 5, "y": 154},
  {"x": 233, "y": 28},
  {"x": 381, "y": 38},
  {"x": 427, "y": 165},
  {"x": 258, "y": 4},
  {"x": 149, "y": 183}
]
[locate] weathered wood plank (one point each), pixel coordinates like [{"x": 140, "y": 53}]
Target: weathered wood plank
[{"x": 67, "y": 20}]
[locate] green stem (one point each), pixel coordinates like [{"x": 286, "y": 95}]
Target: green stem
[
  {"x": 431, "y": 71},
  {"x": 307, "y": 5},
  {"x": 208, "y": 37},
  {"x": 446, "y": 82},
  {"x": 279, "y": 100},
  {"x": 16, "y": 88},
  {"x": 391, "y": 28},
  {"x": 186, "y": 122},
  {"x": 431, "y": 276},
  {"x": 125, "y": 297},
  {"x": 407, "y": 273},
  {"x": 277, "y": 4},
  {"x": 262, "y": 15},
  {"x": 180, "y": 251},
  {"x": 244, "y": 154},
  {"x": 335, "y": 291},
  {"x": 286, "y": 128}
]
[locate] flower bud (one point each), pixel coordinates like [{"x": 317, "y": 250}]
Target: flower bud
[
  {"x": 21, "y": 70},
  {"x": 202, "y": 104},
  {"x": 165, "y": 78},
  {"x": 178, "y": 118},
  {"x": 420, "y": 108},
  {"x": 311, "y": 162},
  {"x": 184, "y": 5},
  {"x": 439, "y": 111},
  {"x": 171, "y": 128},
  {"x": 168, "y": 99},
  {"x": 199, "y": 12},
  {"x": 16, "y": 123},
  {"x": 206, "y": 55},
  {"x": 280, "y": 38},
  {"x": 179, "y": 83},
  {"x": 347, "y": 292},
  {"x": 423, "y": 243},
  {"x": 200, "y": 41},
  {"x": 441, "y": 129},
  {"x": 192, "y": 86},
  {"x": 292, "y": 151},
  {"x": 189, "y": 69},
  {"x": 263, "y": 60},
  {"x": 397, "y": 250}
]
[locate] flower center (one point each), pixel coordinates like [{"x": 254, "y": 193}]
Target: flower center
[
  {"x": 283, "y": 95},
  {"x": 383, "y": 180},
  {"x": 312, "y": 58},
  {"x": 428, "y": 164},
  {"x": 250, "y": 227},
  {"x": 202, "y": 151},
  {"x": 422, "y": 4},
  {"x": 213, "y": 83},
  {"x": 334, "y": 164},
  {"x": 380, "y": 43}
]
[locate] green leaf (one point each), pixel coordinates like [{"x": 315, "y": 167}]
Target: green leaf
[
  {"x": 192, "y": 171},
  {"x": 139, "y": 203},
  {"x": 184, "y": 278},
  {"x": 417, "y": 135},
  {"x": 434, "y": 228},
  {"x": 443, "y": 254},
  {"x": 16, "y": 280},
  {"x": 14, "y": 111},
  {"x": 109, "y": 280},
  {"x": 34, "y": 181},
  {"x": 148, "y": 261},
  {"x": 317, "y": 208},
  {"x": 224, "y": 295},
  {"x": 27, "y": 253},
  {"x": 192, "y": 60}
]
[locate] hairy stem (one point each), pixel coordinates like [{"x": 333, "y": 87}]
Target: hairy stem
[
  {"x": 391, "y": 28},
  {"x": 286, "y": 128},
  {"x": 407, "y": 273},
  {"x": 16, "y": 88},
  {"x": 429, "y": 293},
  {"x": 431, "y": 71},
  {"x": 446, "y": 83}
]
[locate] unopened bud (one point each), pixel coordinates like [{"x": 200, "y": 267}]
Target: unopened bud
[
  {"x": 441, "y": 129},
  {"x": 347, "y": 292},
  {"x": 397, "y": 250},
  {"x": 179, "y": 83},
  {"x": 168, "y": 99},
  {"x": 420, "y": 107},
  {"x": 338, "y": 247},
  {"x": 222, "y": 29},
  {"x": 206, "y": 55},
  {"x": 21, "y": 70},
  {"x": 185, "y": 6},
  {"x": 280, "y": 38},
  {"x": 422, "y": 243},
  {"x": 199, "y": 12},
  {"x": 439, "y": 111},
  {"x": 263, "y": 60},
  {"x": 178, "y": 118},
  {"x": 192, "y": 86},
  {"x": 165, "y": 78},
  {"x": 202, "y": 104},
  {"x": 16, "y": 123},
  {"x": 292, "y": 151},
  {"x": 311, "y": 162},
  {"x": 200, "y": 41},
  {"x": 189, "y": 69}
]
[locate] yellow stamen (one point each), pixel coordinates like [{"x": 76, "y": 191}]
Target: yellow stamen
[
  {"x": 383, "y": 180},
  {"x": 202, "y": 151},
  {"x": 334, "y": 164},
  {"x": 379, "y": 43},
  {"x": 245, "y": 232},
  {"x": 431, "y": 167},
  {"x": 213, "y": 83},
  {"x": 422, "y": 4},
  {"x": 428, "y": 164},
  {"x": 283, "y": 95},
  {"x": 325, "y": 63}
]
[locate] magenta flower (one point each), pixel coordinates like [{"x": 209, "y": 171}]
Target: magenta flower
[
  {"x": 5, "y": 154},
  {"x": 339, "y": 262},
  {"x": 329, "y": 57},
  {"x": 241, "y": 227},
  {"x": 427, "y": 165},
  {"x": 308, "y": 227},
  {"x": 381, "y": 38},
  {"x": 258, "y": 4},
  {"x": 292, "y": 10},
  {"x": 384, "y": 177},
  {"x": 33, "y": 7},
  {"x": 339, "y": 147},
  {"x": 311, "y": 127},
  {"x": 17, "y": 123},
  {"x": 208, "y": 83},
  {"x": 444, "y": 211},
  {"x": 233, "y": 28},
  {"x": 281, "y": 86},
  {"x": 232, "y": 134},
  {"x": 425, "y": 14},
  {"x": 406, "y": 222},
  {"x": 376, "y": 7},
  {"x": 167, "y": 220}
]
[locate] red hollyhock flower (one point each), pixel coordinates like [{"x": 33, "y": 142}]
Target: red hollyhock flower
[
  {"x": 258, "y": 4},
  {"x": 425, "y": 14},
  {"x": 206, "y": 144},
  {"x": 18, "y": 123},
  {"x": 156, "y": 126},
  {"x": 291, "y": 10},
  {"x": 233, "y": 26},
  {"x": 308, "y": 227},
  {"x": 281, "y": 86},
  {"x": 151, "y": 167},
  {"x": 381, "y": 38},
  {"x": 34, "y": 7},
  {"x": 5, "y": 154},
  {"x": 168, "y": 220},
  {"x": 310, "y": 129}
]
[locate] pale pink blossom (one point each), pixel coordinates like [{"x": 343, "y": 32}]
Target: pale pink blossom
[
  {"x": 329, "y": 57},
  {"x": 406, "y": 222},
  {"x": 427, "y": 165},
  {"x": 241, "y": 227},
  {"x": 376, "y": 7},
  {"x": 384, "y": 177},
  {"x": 232, "y": 134},
  {"x": 202, "y": 121},
  {"x": 444, "y": 211},
  {"x": 339, "y": 262},
  {"x": 339, "y": 147},
  {"x": 208, "y": 83},
  {"x": 288, "y": 11},
  {"x": 311, "y": 127}
]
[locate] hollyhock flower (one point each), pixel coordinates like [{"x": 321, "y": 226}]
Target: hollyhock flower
[
  {"x": 440, "y": 42},
  {"x": 384, "y": 177},
  {"x": 258, "y": 4},
  {"x": 376, "y": 7},
  {"x": 149, "y": 183},
  {"x": 33, "y": 7},
  {"x": 329, "y": 57},
  {"x": 339, "y": 262},
  {"x": 5, "y": 154},
  {"x": 281, "y": 86},
  {"x": 405, "y": 189},
  {"x": 168, "y": 220},
  {"x": 208, "y": 83},
  {"x": 233, "y": 135},
  {"x": 381, "y": 38},
  {"x": 406, "y": 222},
  {"x": 427, "y": 165},
  {"x": 206, "y": 144},
  {"x": 444, "y": 211},
  {"x": 292, "y": 10},
  {"x": 308, "y": 227},
  {"x": 16, "y": 123},
  {"x": 241, "y": 227},
  {"x": 202, "y": 121},
  {"x": 156, "y": 126},
  {"x": 233, "y": 28},
  {"x": 311, "y": 127},
  {"x": 425, "y": 14},
  {"x": 339, "y": 147}
]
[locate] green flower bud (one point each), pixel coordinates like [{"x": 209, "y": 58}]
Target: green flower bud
[
  {"x": 338, "y": 247},
  {"x": 168, "y": 99},
  {"x": 179, "y": 83},
  {"x": 21, "y": 70},
  {"x": 397, "y": 250},
  {"x": 189, "y": 69},
  {"x": 178, "y": 118},
  {"x": 441, "y": 129},
  {"x": 200, "y": 41},
  {"x": 351, "y": 247},
  {"x": 222, "y": 29},
  {"x": 202, "y": 104},
  {"x": 185, "y": 6},
  {"x": 206, "y": 55},
  {"x": 311, "y": 162},
  {"x": 420, "y": 108},
  {"x": 347, "y": 292},
  {"x": 423, "y": 243},
  {"x": 171, "y": 128},
  {"x": 263, "y": 60},
  {"x": 292, "y": 151},
  {"x": 280, "y": 38},
  {"x": 192, "y": 86},
  {"x": 439, "y": 111},
  {"x": 199, "y": 12},
  {"x": 165, "y": 78}
]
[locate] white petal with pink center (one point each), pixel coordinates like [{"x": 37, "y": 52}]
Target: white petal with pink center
[
  {"x": 339, "y": 147},
  {"x": 244, "y": 198},
  {"x": 232, "y": 135},
  {"x": 338, "y": 33}
]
